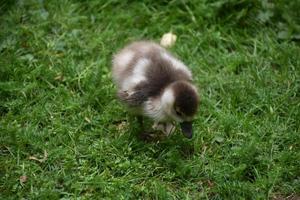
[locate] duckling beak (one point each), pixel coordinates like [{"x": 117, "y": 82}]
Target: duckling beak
[{"x": 187, "y": 129}]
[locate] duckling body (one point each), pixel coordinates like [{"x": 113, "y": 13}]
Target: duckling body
[{"x": 155, "y": 84}]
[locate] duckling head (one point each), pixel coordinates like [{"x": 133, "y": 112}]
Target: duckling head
[{"x": 180, "y": 103}]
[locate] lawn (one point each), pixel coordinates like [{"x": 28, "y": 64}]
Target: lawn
[{"x": 63, "y": 133}]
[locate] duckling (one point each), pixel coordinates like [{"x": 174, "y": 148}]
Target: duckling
[{"x": 152, "y": 82}]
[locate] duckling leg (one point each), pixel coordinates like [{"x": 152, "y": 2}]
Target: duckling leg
[
  {"x": 158, "y": 126},
  {"x": 144, "y": 135},
  {"x": 167, "y": 128},
  {"x": 141, "y": 121}
]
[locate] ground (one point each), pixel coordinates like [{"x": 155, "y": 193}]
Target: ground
[{"x": 63, "y": 134}]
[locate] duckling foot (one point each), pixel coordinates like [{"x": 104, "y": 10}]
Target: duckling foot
[
  {"x": 147, "y": 136},
  {"x": 166, "y": 128}
]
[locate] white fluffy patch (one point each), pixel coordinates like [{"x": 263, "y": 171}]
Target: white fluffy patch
[
  {"x": 141, "y": 66},
  {"x": 160, "y": 109},
  {"x": 153, "y": 109},
  {"x": 123, "y": 59},
  {"x": 167, "y": 99},
  {"x": 176, "y": 63},
  {"x": 138, "y": 74}
]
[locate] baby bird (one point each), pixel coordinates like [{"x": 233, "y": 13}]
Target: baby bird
[{"x": 155, "y": 84}]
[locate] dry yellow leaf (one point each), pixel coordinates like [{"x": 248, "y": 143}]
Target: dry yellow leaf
[{"x": 168, "y": 40}]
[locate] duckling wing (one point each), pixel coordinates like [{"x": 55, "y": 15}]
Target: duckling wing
[{"x": 136, "y": 98}]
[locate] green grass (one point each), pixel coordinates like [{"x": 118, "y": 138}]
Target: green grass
[{"x": 56, "y": 95}]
